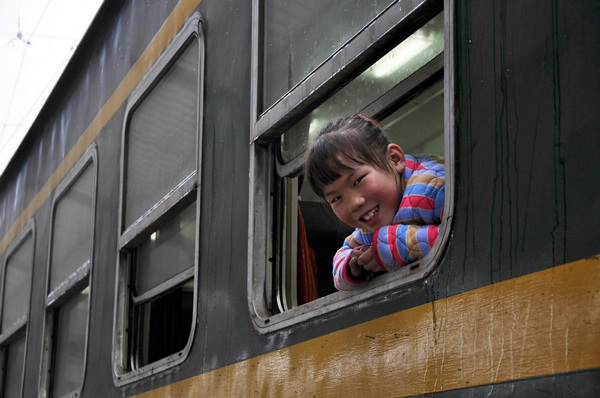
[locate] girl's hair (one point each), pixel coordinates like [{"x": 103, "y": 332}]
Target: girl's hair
[{"x": 354, "y": 139}]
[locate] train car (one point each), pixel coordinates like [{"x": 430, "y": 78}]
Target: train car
[{"x": 157, "y": 237}]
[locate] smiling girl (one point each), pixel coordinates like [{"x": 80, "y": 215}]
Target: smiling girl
[{"x": 395, "y": 201}]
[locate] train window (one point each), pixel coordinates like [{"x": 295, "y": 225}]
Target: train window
[
  {"x": 159, "y": 212},
  {"x": 68, "y": 280},
  {"x": 14, "y": 307},
  {"x": 394, "y": 70}
]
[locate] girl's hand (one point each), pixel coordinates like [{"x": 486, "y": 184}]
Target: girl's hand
[{"x": 362, "y": 263}]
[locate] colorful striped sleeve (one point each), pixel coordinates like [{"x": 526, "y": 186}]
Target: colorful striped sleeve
[
  {"x": 397, "y": 245},
  {"x": 423, "y": 200}
]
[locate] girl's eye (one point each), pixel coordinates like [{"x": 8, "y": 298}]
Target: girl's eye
[
  {"x": 358, "y": 180},
  {"x": 332, "y": 201}
]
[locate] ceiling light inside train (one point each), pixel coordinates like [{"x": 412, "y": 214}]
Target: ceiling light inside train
[{"x": 401, "y": 55}]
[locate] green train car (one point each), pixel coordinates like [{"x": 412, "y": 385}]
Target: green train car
[{"x": 157, "y": 238}]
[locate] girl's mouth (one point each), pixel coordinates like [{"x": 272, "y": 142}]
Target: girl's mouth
[{"x": 369, "y": 216}]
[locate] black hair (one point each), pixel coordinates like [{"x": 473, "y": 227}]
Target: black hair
[{"x": 354, "y": 139}]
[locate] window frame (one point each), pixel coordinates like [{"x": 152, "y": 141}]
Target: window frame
[
  {"x": 21, "y": 325},
  {"x": 391, "y": 26},
  {"x": 185, "y": 193},
  {"x": 76, "y": 281}
]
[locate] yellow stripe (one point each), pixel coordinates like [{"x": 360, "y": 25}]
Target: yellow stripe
[
  {"x": 166, "y": 33},
  {"x": 539, "y": 324}
]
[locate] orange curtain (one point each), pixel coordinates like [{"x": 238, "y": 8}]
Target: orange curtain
[{"x": 307, "y": 266}]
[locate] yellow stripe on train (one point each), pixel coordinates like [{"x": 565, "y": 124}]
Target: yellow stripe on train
[{"x": 540, "y": 324}]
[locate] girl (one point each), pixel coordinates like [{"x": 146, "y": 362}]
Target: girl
[{"x": 395, "y": 201}]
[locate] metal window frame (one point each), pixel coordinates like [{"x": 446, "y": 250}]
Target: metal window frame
[
  {"x": 394, "y": 24},
  {"x": 21, "y": 324},
  {"x": 76, "y": 281},
  {"x": 186, "y": 192}
]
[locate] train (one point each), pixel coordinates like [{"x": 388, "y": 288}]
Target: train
[{"x": 157, "y": 237}]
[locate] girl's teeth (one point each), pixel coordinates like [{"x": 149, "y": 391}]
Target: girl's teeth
[{"x": 369, "y": 216}]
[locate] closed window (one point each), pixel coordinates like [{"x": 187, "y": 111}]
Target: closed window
[
  {"x": 68, "y": 280},
  {"x": 159, "y": 212}
]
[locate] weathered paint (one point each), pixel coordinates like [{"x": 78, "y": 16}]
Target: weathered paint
[{"x": 540, "y": 324}]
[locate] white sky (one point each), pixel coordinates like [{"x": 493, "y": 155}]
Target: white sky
[{"x": 37, "y": 39}]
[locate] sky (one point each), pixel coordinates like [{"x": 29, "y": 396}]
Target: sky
[{"x": 34, "y": 33}]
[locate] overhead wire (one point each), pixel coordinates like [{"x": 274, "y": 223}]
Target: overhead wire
[{"x": 27, "y": 42}]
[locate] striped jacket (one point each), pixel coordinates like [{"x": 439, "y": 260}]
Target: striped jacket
[{"x": 415, "y": 227}]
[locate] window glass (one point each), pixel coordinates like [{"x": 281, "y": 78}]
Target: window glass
[
  {"x": 418, "y": 125},
  {"x": 72, "y": 233},
  {"x": 15, "y": 360},
  {"x": 70, "y": 345},
  {"x": 167, "y": 251},
  {"x": 300, "y": 35},
  {"x": 161, "y": 139},
  {"x": 17, "y": 283},
  {"x": 409, "y": 56}
]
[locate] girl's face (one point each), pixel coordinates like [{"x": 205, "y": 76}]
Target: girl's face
[{"x": 367, "y": 197}]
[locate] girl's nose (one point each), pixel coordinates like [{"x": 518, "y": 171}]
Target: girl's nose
[{"x": 357, "y": 202}]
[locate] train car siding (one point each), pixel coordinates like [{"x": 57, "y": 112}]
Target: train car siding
[
  {"x": 513, "y": 305},
  {"x": 541, "y": 324}
]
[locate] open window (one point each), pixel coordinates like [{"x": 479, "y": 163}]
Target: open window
[
  {"x": 15, "y": 298},
  {"x": 395, "y": 68},
  {"x": 66, "y": 321},
  {"x": 159, "y": 212}
]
